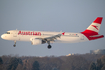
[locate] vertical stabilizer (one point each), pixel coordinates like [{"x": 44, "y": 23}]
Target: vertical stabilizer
[
  {"x": 92, "y": 31},
  {"x": 94, "y": 27}
]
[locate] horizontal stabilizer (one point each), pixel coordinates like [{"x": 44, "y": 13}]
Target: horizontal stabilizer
[{"x": 96, "y": 37}]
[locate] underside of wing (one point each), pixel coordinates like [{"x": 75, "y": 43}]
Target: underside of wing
[{"x": 52, "y": 38}]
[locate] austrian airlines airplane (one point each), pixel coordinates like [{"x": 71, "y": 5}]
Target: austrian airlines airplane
[{"x": 41, "y": 37}]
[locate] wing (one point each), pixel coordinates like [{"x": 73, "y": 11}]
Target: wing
[{"x": 52, "y": 38}]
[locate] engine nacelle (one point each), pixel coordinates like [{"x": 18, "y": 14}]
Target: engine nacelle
[{"x": 37, "y": 42}]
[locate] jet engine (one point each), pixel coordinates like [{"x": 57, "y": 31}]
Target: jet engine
[{"x": 37, "y": 42}]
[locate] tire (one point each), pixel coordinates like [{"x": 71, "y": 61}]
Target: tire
[
  {"x": 49, "y": 46},
  {"x": 14, "y": 45}
]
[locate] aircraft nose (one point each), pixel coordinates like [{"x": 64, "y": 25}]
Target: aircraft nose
[{"x": 2, "y": 36}]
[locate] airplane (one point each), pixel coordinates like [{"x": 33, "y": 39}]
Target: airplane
[{"x": 41, "y": 37}]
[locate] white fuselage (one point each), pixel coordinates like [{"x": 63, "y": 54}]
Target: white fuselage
[
  {"x": 20, "y": 35},
  {"x": 41, "y": 37}
]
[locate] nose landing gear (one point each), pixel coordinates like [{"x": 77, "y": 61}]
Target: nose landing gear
[{"x": 14, "y": 44}]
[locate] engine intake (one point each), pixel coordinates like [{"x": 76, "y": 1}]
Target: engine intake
[{"x": 37, "y": 42}]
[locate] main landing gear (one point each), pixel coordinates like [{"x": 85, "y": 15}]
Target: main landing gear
[
  {"x": 49, "y": 46},
  {"x": 14, "y": 44}
]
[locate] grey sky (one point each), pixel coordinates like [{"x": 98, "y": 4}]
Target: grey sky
[{"x": 50, "y": 15}]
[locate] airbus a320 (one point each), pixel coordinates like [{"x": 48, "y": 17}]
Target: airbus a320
[{"x": 41, "y": 37}]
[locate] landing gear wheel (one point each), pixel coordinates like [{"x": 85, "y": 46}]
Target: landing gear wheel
[
  {"x": 49, "y": 46},
  {"x": 14, "y": 45}
]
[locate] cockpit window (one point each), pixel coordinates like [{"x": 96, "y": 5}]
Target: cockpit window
[{"x": 7, "y": 32}]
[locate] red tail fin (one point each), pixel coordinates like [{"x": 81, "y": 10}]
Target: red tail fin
[{"x": 93, "y": 29}]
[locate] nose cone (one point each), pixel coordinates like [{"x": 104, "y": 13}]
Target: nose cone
[{"x": 2, "y": 36}]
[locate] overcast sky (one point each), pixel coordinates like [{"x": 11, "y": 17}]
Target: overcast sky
[{"x": 50, "y": 15}]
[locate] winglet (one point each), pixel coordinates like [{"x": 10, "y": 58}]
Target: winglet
[{"x": 63, "y": 33}]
